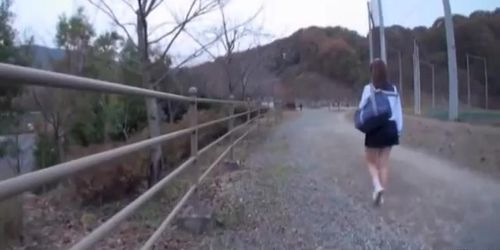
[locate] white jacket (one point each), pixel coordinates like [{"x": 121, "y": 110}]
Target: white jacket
[{"x": 395, "y": 102}]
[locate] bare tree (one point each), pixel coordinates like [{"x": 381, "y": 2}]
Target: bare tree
[
  {"x": 57, "y": 112},
  {"x": 247, "y": 69},
  {"x": 232, "y": 36},
  {"x": 147, "y": 37},
  {"x": 74, "y": 35}
]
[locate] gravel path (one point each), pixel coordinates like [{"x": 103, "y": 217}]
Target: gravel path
[{"x": 308, "y": 189}]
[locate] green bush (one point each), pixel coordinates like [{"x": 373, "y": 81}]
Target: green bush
[
  {"x": 4, "y": 148},
  {"x": 84, "y": 133},
  {"x": 89, "y": 125},
  {"x": 117, "y": 119},
  {"x": 126, "y": 116},
  {"x": 46, "y": 153}
]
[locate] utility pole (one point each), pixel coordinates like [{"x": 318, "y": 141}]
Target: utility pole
[
  {"x": 486, "y": 84},
  {"x": 400, "y": 64},
  {"x": 433, "y": 87},
  {"x": 370, "y": 27},
  {"x": 383, "y": 53},
  {"x": 452, "y": 63},
  {"x": 468, "y": 82},
  {"x": 416, "y": 79}
]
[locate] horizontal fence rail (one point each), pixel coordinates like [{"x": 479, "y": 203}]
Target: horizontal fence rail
[
  {"x": 17, "y": 75},
  {"x": 30, "y": 76},
  {"x": 32, "y": 180},
  {"x": 110, "y": 224},
  {"x": 159, "y": 231}
]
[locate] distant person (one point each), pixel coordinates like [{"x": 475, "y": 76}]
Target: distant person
[
  {"x": 300, "y": 107},
  {"x": 380, "y": 141}
]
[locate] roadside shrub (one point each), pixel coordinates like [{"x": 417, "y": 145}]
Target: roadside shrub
[
  {"x": 117, "y": 120},
  {"x": 109, "y": 181},
  {"x": 120, "y": 178},
  {"x": 179, "y": 149},
  {"x": 46, "y": 153},
  {"x": 11, "y": 222},
  {"x": 86, "y": 133},
  {"x": 127, "y": 116}
]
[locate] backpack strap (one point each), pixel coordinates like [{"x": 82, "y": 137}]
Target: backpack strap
[
  {"x": 372, "y": 98},
  {"x": 393, "y": 93}
]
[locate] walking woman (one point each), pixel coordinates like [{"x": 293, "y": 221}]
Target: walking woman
[{"x": 380, "y": 141}]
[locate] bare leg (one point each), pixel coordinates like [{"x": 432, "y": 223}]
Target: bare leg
[
  {"x": 383, "y": 166},
  {"x": 372, "y": 161}
]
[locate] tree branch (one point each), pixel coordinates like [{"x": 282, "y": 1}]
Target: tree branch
[
  {"x": 201, "y": 44},
  {"x": 157, "y": 27},
  {"x": 190, "y": 16},
  {"x": 109, "y": 12},
  {"x": 129, "y": 5},
  {"x": 178, "y": 29},
  {"x": 152, "y": 6},
  {"x": 194, "y": 55},
  {"x": 197, "y": 53},
  {"x": 233, "y": 34},
  {"x": 142, "y": 4},
  {"x": 45, "y": 113},
  {"x": 157, "y": 40},
  {"x": 224, "y": 28}
]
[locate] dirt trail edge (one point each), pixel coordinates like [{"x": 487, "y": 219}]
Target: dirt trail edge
[{"x": 309, "y": 189}]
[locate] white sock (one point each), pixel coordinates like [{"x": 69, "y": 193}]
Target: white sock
[{"x": 376, "y": 184}]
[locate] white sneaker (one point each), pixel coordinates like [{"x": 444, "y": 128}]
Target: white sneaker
[{"x": 378, "y": 198}]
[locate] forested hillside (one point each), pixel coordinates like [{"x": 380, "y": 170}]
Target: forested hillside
[{"x": 331, "y": 62}]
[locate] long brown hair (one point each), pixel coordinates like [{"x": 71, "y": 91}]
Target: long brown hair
[{"x": 379, "y": 74}]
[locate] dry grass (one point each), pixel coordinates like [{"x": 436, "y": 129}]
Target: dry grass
[
  {"x": 122, "y": 177},
  {"x": 10, "y": 221},
  {"x": 10, "y": 215},
  {"x": 472, "y": 146}
]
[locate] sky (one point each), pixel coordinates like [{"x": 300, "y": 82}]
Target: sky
[{"x": 278, "y": 18}]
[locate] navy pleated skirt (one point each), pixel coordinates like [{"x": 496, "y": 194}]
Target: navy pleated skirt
[{"x": 383, "y": 137}]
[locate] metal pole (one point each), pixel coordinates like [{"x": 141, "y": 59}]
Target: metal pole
[
  {"x": 231, "y": 126},
  {"x": 452, "y": 63},
  {"x": 419, "y": 84},
  {"x": 258, "y": 112},
  {"x": 249, "y": 113},
  {"x": 433, "y": 86},
  {"x": 248, "y": 110},
  {"x": 400, "y": 63},
  {"x": 370, "y": 27},
  {"x": 486, "y": 84},
  {"x": 193, "y": 119},
  {"x": 468, "y": 82},
  {"x": 416, "y": 79},
  {"x": 383, "y": 53}
]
